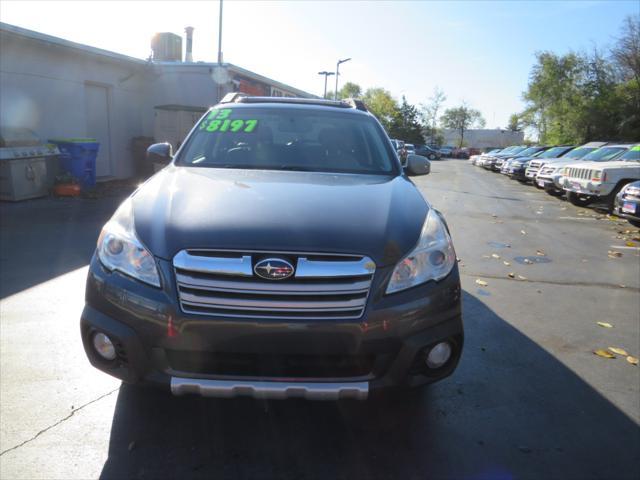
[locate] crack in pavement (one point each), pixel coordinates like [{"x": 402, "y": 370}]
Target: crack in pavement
[
  {"x": 552, "y": 282},
  {"x": 44, "y": 430}
]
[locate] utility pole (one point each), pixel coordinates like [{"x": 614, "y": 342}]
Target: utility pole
[
  {"x": 220, "y": 35},
  {"x": 335, "y": 94},
  {"x": 326, "y": 74}
]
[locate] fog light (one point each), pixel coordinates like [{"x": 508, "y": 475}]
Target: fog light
[
  {"x": 103, "y": 345},
  {"x": 439, "y": 355}
]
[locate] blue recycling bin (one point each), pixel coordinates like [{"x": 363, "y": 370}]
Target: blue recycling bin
[{"x": 78, "y": 157}]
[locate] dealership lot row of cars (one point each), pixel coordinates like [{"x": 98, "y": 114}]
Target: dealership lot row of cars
[{"x": 597, "y": 172}]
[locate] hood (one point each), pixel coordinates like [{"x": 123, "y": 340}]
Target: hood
[
  {"x": 559, "y": 162},
  {"x": 207, "y": 208},
  {"x": 619, "y": 164},
  {"x": 603, "y": 165}
]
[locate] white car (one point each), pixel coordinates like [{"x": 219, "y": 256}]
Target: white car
[
  {"x": 550, "y": 175},
  {"x": 589, "y": 181},
  {"x": 554, "y": 153}
]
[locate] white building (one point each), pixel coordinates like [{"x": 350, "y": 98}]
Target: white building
[
  {"x": 484, "y": 138},
  {"x": 60, "y": 88}
]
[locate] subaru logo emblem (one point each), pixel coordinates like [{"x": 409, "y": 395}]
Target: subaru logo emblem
[{"x": 273, "y": 269}]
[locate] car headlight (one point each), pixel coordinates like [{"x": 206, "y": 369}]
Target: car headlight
[
  {"x": 119, "y": 248},
  {"x": 431, "y": 259}
]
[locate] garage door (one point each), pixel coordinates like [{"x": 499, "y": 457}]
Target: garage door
[{"x": 97, "y": 111}]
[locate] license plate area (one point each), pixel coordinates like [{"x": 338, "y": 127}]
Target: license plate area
[{"x": 629, "y": 207}]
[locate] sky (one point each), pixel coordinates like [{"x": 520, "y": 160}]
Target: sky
[{"x": 479, "y": 52}]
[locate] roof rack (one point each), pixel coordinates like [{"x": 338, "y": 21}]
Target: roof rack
[{"x": 237, "y": 97}]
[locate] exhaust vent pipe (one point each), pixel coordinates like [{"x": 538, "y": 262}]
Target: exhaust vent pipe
[{"x": 189, "y": 55}]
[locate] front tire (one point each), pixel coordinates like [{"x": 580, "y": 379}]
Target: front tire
[{"x": 579, "y": 200}]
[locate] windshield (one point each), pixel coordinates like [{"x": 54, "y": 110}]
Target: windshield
[
  {"x": 529, "y": 151},
  {"x": 516, "y": 150},
  {"x": 604, "y": 154},
  {"x": 554, "y": 152},
  {"x": 632, "y": 155},
  {"x": 276, "y": 138},
  {"x": 579, "y": 152}
]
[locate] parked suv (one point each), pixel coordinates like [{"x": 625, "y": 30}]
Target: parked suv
[
  {"x": 541, "y": 160},
  {"x": 588, "y": 181},
  {"x": 550, "y": 175},
  {"x": 282, "y": 253}
]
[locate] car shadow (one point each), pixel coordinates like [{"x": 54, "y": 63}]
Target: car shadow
[
  {"x": 511, "y": 410},
  {"x": 44, "y": 238}
]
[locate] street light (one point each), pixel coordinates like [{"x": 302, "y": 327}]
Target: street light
[
  {"x": 335, "y": 94},
  {"x": 326, "y": 74}
]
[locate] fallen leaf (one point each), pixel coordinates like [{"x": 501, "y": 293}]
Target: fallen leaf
[
  {"x": 486, "y": 256},
  {"x": 604, "y": 354},
  {"x": 523, "y": 232},
  {"x": 520, "y": 277},
  {"x": 619, "y": 351},
  {"x": 495, "y": 255},
  {"x": 458, "y": 259},
  {"x": 511, "y": 275},
  {"x": 506, "y": 263},
  {"x": 630, "y": 244},
  {"x": 622, "y": 285},
  {"x": 494, "y": 215},
  {"x": 541, "y": 253},
  {"x": 481, "y": 283},
  {"x": 632, "y": 360},
  {"x": 613, "y": 254},
  {"x": 605, "y": 324}
]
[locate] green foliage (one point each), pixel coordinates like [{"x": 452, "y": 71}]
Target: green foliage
[
  {"x": 400, "y": 121},
  {"x": 514, "y": 123},
  {"x": 380, "y": 103},
  {"x": 578, "y": 97},
  {"x": 350, "y": 90},
  {"x": 462, "y": 118},
  {"x": 406, "y": 124}
]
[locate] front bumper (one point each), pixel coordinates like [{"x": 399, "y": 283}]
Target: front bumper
[
  {"x": 517, "y": 173},
  {"x": 585, "y": 187},
  {"x": 628, "y": 208},
  {"x": 157, "y": 343}
]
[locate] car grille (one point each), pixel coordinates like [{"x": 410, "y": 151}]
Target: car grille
[
  {"x": 535, "y": 164},
  {"x": 223, "y": 283},
  {"x": 579, "y": 173}
]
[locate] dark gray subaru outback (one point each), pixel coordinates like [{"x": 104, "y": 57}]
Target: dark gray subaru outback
[{"x": 283, "y": 253}]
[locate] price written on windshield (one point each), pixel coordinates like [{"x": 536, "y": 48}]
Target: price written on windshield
[{"x": 219, "y": 121}]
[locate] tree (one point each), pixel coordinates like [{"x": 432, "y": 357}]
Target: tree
[
  {"x": 430, "y": 113},
  {"x": 406, "y": 125},
  {"x": 381, "y": 104},
  {"x": 514, "y": 123},
  {"x": 350, "y": 90},
  {"x": 626, "y": 59},
  {"x": 461, "y": 119}
]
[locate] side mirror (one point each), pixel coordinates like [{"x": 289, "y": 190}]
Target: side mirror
[
  {"x": 159, "y": 155},
  {"x": 160, "y": 152},
  {"x": 417, "y": 165}
]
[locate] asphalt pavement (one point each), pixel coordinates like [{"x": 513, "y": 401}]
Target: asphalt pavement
[{"x": 529, "y": 399}]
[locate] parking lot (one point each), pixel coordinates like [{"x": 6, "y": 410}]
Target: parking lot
[{"x": 529, "y": 399}]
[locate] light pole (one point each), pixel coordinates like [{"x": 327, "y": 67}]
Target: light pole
[
  {"x": 335, "y": 94},
  {"x": 220, "y": 35},
  {"x": 326, "y": 74}
]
